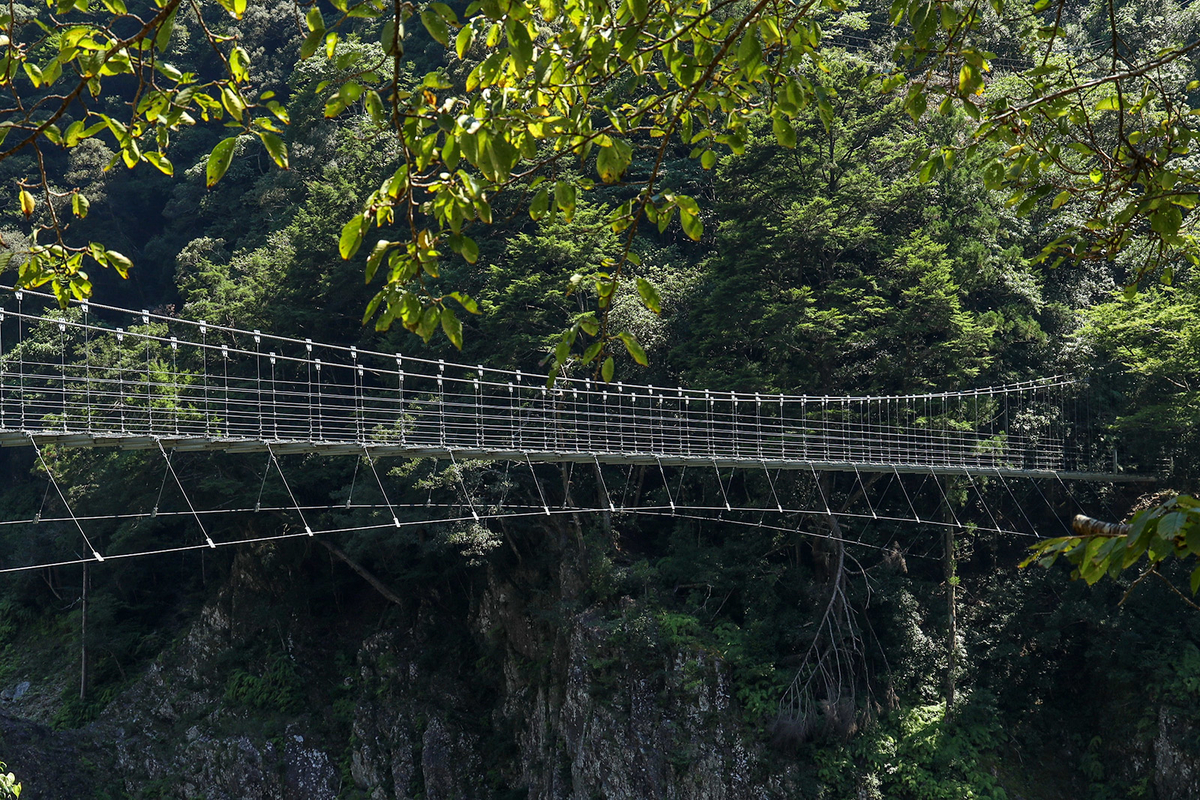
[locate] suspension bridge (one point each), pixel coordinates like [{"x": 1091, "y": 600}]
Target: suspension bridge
[{"x": 97, "y": 376}]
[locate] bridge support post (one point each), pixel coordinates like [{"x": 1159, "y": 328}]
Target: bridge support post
[
  {"x": 948, "y": 565},
  {"x": 83, "y": 635}
]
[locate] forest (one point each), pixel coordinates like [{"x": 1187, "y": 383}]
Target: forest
[{"x": 871, "y": 199}]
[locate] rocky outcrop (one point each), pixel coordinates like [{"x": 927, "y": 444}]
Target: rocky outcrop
[
  {"x": 1176, "y": 756},
  {"x": 50, "y": 765}
]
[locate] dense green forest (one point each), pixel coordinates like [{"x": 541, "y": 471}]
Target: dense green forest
[{"x": 612, "y": 655}]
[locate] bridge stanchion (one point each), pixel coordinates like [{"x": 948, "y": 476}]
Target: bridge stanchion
[
  {"x": 480, "y": 418},
  {"x": 400, "y": 394},
  {"x": 274, "y": 399},
  {"x": 546, "y": 426},
  {"x": 175, "y": 384},
  {"x": 320, "y": 403},
  {"x": 3, "y": 374},
  {"x": 709, "y": 440},
  {"x": 87, "y": 368},
  {"x": 225, "y": 389},
  {"x": 680, "y": 444},
  {"x": 652, "y": 422},
  {"x": 758, "y": 422},
  {"x": 782, "y": 427},
  {"x": 308, "y": 348},
  {"x": 588, "y": 398},
  {"x": 576, "y": 440},
  {"x": 734, "y": 432},
  {"x": 520, "y": 418},
  {"x": 21, "y": 356},
  {"x": 620, "y": 417},
  {"x": 258, "y": 398},
  {"x": 512, "y": 417},
  {"x": 360, "y": 398},
  {"x": 825, "y": 424},
  {"x": 149, "y": 379},
  {"x": 62, "y": 336},
  {"x": 441, "y": 402}
]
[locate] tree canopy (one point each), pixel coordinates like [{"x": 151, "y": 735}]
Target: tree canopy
[{"x": 503, "y": 106}]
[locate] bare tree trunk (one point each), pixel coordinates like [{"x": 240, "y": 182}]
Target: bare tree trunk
[
  {"x": 362, "y": 571},
  {"x": 952, "y": 624},
  {"x": 83, "y": 640}
]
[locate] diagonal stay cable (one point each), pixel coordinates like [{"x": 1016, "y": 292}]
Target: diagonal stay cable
[
  {"x": 283, "y": 477},
  {"x": 820, "y": 491},
  {"x": 900, "y": 480},
  {"x": 1050, "y": 506},
  {"x": 771, "y": 483},
  {"x": 538, "y": 484},
  {"x": 600, "y": 474},
  {"x": 866, "y": 495},
  {"x": 61, "y": 496},
  {"x": 379, "y": 481},
  {"x": 946, "y": 500},
  {"x": 721, "y": 485},
  {"x": 666, "y": 485},
  {"x": 982, "y": 501},
  {"x": 467, "y": 495},
  {"x": 161, "y": 487},
  {"x": 262, "y": 486},
  {"x": 1017, "y": 503},
  {"x": 207, "y": 539}
]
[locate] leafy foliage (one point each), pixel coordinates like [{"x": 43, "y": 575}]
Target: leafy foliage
[{"x": 1168, "y": 530}]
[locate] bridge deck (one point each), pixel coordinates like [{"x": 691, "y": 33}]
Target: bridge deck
[{"x": 10, "y": 438}]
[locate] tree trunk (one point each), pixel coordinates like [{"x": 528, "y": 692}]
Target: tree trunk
[
  {"x": 952, "y": 620},
  {"x": 83, "y": 637}
]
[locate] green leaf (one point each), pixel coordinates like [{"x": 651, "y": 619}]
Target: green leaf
[
  {"x": 540, "y": 204},
  {"x": 1061, "y": 198},
  {"x": 564, "y": 197},
  {"x": 436, "y": 26},
  {"x": 635, "y": 349},
  {"x": 376, "y": 258},
  {"x": 563, "y": 349},
  {"x": 452, "y": 327},
  {"x": 428, "y": 322},
  {"x": 466, "y": 302},
  {"x": 606, "y": 371},
  {"x": 470, "y": 250},
  {"x": 314, "y": 20},
  {"x": 162, "y": 38},
  {"x": 462, "y": 42},
  {"x": 372, "y": 307},
  {"x": 275, "y": 147},
  {"x": 219, "y": 160},
  {"x": 613, "y": 159},
  {"x": 119, "y": 262},
  {"x": 692, "y": 226},
  {"x": 352, "y": 236},
  {"x": 80, "y": 205},
  {"x": 650, "y": 296},
  {"x": 1195, "y": 580},
  {"x": 1170, "y": 524},
  {"x": 161, "y": 162},
  {"x": 239, "y": 64},
  {"x": 785, "y": 134}
]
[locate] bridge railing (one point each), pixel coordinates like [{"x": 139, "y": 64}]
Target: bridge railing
[{"x": 106, "y": 372}]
